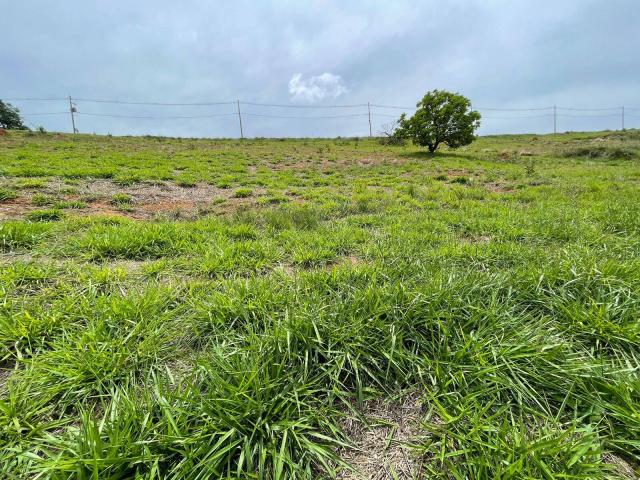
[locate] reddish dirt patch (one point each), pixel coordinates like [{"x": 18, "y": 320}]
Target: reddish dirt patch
[
  {"x": 458, "y": 172},
  {"x": 147, "y": 199},
  {"x": 16, "y": 207}
]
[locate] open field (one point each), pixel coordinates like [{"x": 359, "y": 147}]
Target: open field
[{"x": 191, "y": 309}]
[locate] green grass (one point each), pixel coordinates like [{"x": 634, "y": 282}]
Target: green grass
[
  {"x": 502, "y": 290},
  {"x": 7, "y": 194}
]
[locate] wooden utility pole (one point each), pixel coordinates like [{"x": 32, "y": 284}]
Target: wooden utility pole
[
  {"x": 622, "y": 117},
  {"x": 554, "y": 119},
  {"x": 72, "y": 110},
  {"x": 240, "y": 120},
  {"x": 369, "y": 109}
]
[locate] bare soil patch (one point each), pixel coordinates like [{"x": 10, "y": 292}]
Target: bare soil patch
[
  {"x": 147, "y": 199},
  {"x": 380, "y": 448},
  {"x": 498, "y": 187}
]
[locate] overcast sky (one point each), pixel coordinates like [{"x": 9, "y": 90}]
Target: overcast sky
[{"x": 501, "y": 54}]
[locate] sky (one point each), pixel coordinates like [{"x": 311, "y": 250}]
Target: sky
[{"x": 312, "y": 56}]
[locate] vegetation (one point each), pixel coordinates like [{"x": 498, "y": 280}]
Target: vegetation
[
  {"x": 10, "y": 117},
  {"x": 244, "y": 338},
  {"x": 441, "y": 118}
]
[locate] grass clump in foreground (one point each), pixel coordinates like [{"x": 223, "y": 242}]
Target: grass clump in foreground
[{"x": 246, "y": 344}]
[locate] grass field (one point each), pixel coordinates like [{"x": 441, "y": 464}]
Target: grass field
[{"x": 192, "y": 309}]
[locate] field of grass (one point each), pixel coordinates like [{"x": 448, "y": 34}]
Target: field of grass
[{"x": 273, "y": 309}]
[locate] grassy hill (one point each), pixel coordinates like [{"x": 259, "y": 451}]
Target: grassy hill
[{"x": 190, "y": 308}]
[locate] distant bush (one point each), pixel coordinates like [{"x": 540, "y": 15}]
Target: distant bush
[
  {"x": 390, "y": 135},
  {"x": 600, "y": 152}
]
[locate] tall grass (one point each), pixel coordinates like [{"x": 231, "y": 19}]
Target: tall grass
[{"x": 234, "y": 347}]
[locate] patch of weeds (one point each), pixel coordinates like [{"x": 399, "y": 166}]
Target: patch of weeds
[
  {"x": 6, "y": 195},
  {"x": 242, "y": 232},
  {"x": 49, "y": 215},
  {"x": 126, "y": 181},
  {"x": 31, "y": 183},
  {"x": 461, "y": 180},
  {"x": 186, "y": 182},
  {"x": 17, "y": 234},
  {"x": 132, "y": 241},
  {"x": 40, "y": 200},
  {"x": 243, "y": 193},
  {"x": 273, "y": 200},
  {"x": 121, "y": 200},
  {"x": 600, "y": 152},
  {"x": 298, "y": 217}
]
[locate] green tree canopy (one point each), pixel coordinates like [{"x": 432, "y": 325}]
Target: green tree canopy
[
  {"x": 10, "y": 117},
  {"x": 441, "y": 117}
]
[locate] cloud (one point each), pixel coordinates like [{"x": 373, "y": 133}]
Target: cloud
[
  {"x": 316, "y": 88},
  {"x": 499, "y": 53}
]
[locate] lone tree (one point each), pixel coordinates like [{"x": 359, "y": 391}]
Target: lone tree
[
  {"x": 441, "y": 117},
  {"x": 10, "y": 117}
]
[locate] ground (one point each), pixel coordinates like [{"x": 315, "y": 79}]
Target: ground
[{"x": 319, "y": 308}]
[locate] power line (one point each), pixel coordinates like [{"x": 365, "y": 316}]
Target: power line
[
  {"x": 396, "y": 107},
  {"x": 588, "y": 116},
  {"x": 155, "y": 116},
  {"x": 545, "y": 115},
  {"x": 588, "y": 109},
  {"x": 304, "y": 117},
  {"x": 35, "y": 99},
  {"x": 38, "y": 114},
  {"x": 160, "y": 104},
  {"x": 282, "y": 105},
  {"x": 514, "y": 109}
]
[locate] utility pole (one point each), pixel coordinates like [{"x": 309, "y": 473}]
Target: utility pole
[
  {"x": 369, "y": 109},
  {"x": 622, "y": 117},
  {"x": 554, "y": 119},
  {"x": 72, "y": 110},
  {"x": 240, "y": 120}
]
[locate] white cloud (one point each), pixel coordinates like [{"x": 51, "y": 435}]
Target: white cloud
[{"x": 316, "y": 88}]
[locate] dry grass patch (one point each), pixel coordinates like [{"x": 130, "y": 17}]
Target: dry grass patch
[{"x": 380, "y": 444}]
